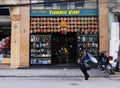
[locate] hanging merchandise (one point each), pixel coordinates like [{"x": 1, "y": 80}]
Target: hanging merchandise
[
  {"x": 93, "y": 44},
  {"x": 62, "y": 31},
  {"x": 65, "y": 30},
  {"x": 49, "y": 61},
  {"x": 86, "y": 38},
  {"x": 52, "y": 30},
  {"x": 83, "y": 39},
  {"x": 34, "y": 61},
  {"x": 63, "y": 24},
  {"x": 1, "y": 45},
  {"x": 40, "y": 45},
  {"x": 63, "y": 27},
  {"x": 40, "y": 61},
  {"x": 73, "y": 24},
  {"x": 44, "y": 61}
]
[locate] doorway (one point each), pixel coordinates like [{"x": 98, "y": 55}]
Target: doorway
[{"x": 64, "y": 48}]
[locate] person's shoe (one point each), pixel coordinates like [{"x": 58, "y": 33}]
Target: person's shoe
[{"x": 86, "y": 78}]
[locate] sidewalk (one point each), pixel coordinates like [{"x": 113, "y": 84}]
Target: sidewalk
[
  {"x": 52, "y": 72},
  {"x": 65, "y": 72}
]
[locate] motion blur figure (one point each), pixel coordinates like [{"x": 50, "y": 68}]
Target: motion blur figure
[{"x": 82, "y": 56}]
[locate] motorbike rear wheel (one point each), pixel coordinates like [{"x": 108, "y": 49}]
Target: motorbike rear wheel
[
  {"x": 100, "y": 66},
  {"x": 109, "y": 69}
]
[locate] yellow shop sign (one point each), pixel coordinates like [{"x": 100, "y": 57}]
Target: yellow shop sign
[
  {"x": 58, "y": 12},
  {"x": 64, "y": 12},
  {"x": 73, "y": 12}
]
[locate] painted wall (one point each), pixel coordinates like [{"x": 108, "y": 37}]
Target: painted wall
[{"x": 103, "y": 26}]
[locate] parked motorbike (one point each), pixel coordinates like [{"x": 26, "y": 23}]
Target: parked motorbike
[
  {"x": 114, "y": 61},
  {"x": 104, "y": 62}
]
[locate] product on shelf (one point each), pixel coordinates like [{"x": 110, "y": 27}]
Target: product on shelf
[{"x": 40, "y": 49}]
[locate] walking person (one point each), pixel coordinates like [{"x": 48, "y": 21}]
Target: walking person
[{"x": 82, "y": 56}]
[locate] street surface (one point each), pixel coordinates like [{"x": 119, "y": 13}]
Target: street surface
[{"x": 39, "y": 82}]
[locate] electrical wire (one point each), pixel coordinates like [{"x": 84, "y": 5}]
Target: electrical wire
[
  {"x": 57, "y": 1},
  {"x": 48, "y": 2}
]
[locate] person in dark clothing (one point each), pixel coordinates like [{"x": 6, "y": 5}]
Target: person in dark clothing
[{"x": 82, "y": 56}]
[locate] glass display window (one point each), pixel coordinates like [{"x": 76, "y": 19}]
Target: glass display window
[{"x": 65, "y": 4}]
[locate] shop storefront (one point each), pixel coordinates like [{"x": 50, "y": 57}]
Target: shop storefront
[
  {"x": 55, "y": 34},
  {"x": 46, "y": 33}
]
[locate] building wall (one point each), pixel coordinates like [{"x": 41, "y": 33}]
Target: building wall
[
  {"x": 24, "y": 36},
  {"x": 20, "y": 37},
  {"x": 103, "y": 25},
  {"x": 1, "y": 1},
  {"x": 20, "y": 33}
]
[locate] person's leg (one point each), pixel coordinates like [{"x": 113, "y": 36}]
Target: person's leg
[{"x": 83, "y": 69}]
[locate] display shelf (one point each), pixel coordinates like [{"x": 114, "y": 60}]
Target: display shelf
[
  {"x": 41, "y": 60},
  {"x": 88, "y": 38},
  {"x": 40, "y": 45},
  {"x": 6, "y": 52},
  {"x": 90, "y": 42},
  {"x": 40, "y": 49}
]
